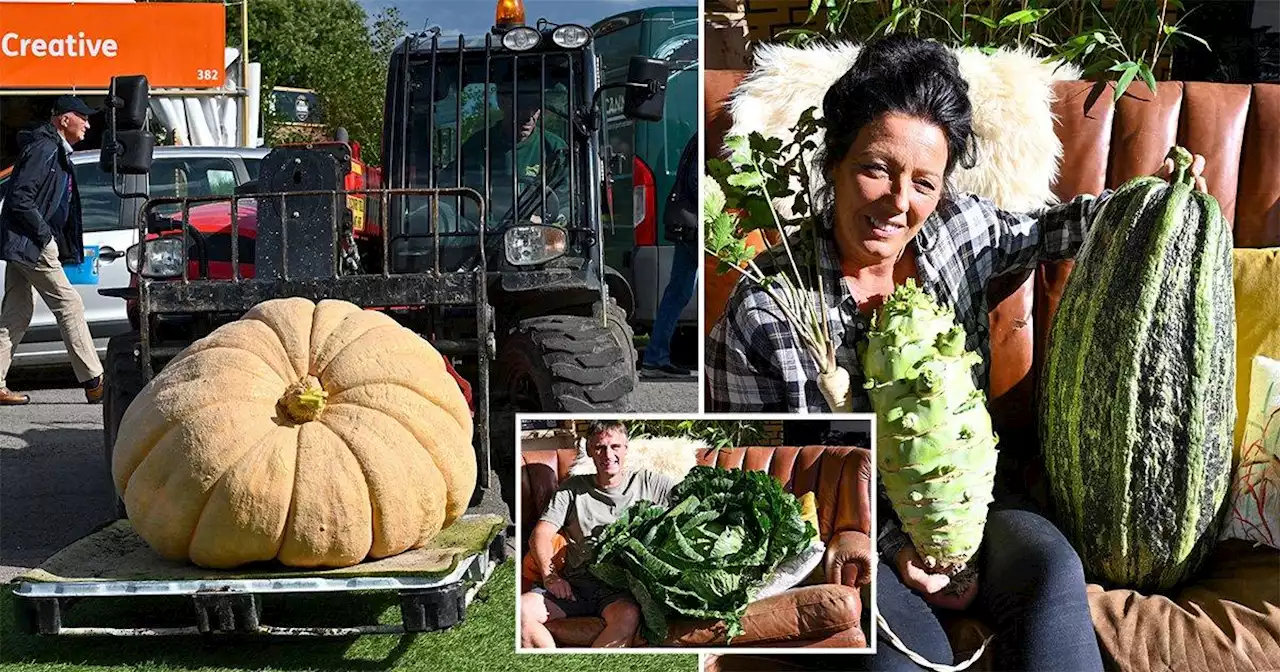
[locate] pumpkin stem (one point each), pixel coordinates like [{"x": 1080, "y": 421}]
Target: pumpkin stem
[
  {"x": 1181, "y": 165},
  {"x": 303, "y": 400}
]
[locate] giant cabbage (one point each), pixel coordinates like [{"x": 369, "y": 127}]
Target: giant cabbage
[{"x": 707, "y": 555}]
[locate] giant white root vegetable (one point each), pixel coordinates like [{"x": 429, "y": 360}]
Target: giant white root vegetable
[{"x": 935, "y": 449}]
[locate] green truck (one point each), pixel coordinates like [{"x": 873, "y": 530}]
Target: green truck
[{"x": 645, "y": 154}]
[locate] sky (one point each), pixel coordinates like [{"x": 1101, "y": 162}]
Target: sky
[{"x": 475, "y": 17}]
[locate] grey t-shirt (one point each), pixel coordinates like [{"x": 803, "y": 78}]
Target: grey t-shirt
[{"x": 582, "y": 510}]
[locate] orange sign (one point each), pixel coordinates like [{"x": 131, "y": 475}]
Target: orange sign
[{"x": 55, "y": 45}]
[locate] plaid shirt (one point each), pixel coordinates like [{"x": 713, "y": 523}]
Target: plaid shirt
[{"x": 755, "y": 363}]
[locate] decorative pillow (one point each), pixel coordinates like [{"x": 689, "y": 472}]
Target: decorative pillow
[
  {"x": 669, "y": 455},
  {"x": 804, "y": 568},
  {"x": 1011, "y": 92},
  {"x": 1255, "y": 490},
  {"x": 796, "y": 570},
  {"x": 1257, "y": 284}
]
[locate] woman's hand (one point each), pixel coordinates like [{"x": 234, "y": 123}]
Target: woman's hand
[
  {"x": 1197, "y": 166},
  {"x": 912, "y": 571}
]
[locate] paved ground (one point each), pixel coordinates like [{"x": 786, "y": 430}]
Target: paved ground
[
  {"x": 54, "y": 480},
  {"x": 666, "y": 396},
  {"x": 54, "y": 484}
]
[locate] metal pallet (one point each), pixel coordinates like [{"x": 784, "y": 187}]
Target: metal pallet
[{"x": 234, "y": 606}]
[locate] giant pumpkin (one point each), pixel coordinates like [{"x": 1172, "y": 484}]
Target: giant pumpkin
[{"x": 316, "y": 435}]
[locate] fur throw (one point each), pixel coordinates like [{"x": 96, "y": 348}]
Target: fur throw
[
  {"x": 1011, "y": 92},
  {"x": 667, "y": 455}
]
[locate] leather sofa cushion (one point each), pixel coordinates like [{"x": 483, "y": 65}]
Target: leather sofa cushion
[
  {"x": 576, "y": 632},
  {"x": 821, "y": 612},
  {"x": 816, "y": 611}
]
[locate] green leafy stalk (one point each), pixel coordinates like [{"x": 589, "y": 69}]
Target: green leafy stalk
[{"x": 758, "y": 171}]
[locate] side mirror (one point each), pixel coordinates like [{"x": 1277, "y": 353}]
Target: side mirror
[
  {"x": 127, "y": 143},
  {"x": 646, "y": 89}
]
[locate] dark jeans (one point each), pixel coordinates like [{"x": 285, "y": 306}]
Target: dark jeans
[
  {"x": 680, "y": 286},
  {"x": 1031, "y": 589}
]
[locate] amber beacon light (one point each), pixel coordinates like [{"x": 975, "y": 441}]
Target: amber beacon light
[{"x": 510, "y": 13}]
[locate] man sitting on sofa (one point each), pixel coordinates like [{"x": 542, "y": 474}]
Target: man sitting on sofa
[{"x": 581, "y": 509}]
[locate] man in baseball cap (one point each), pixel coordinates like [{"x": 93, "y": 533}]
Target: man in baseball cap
[
  {"x": 65, "y": 104},
  {"x": 40, "y": 230}
]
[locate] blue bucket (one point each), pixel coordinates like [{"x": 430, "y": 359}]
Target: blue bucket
[{"x": 86, "y": 272}]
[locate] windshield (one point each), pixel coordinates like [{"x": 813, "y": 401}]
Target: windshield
[
  {"x": 189, "y": 177},
  {"x": 512, "y": 129}
]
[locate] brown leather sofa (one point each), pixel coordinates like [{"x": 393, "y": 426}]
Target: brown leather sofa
[
  {"x": 1237, "y": 128},
  {"x": 827, "y": 615}
]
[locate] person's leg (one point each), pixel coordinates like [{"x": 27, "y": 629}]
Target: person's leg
[
  {"x": 15, "y": 316},
  {"x": 1032, "y": 587},
  {"x": 621, "y": 620},
  {"x": 536, "y": 608},
  {"x": 684, "y": 275},
  {"x": 51, "y": 282}
]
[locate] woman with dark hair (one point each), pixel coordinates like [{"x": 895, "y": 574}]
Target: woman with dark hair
[{"x": 897, "y": 124}]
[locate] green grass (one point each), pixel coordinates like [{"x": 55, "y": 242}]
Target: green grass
[{"x": 485, "y": 641}]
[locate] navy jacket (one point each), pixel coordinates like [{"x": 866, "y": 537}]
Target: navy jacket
[{"x": 31, "y": 197}]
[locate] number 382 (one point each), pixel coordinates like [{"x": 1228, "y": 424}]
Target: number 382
[{"x": 206, "y": 75}]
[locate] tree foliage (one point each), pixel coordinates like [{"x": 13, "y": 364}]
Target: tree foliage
[
  {"x": 1116, "y": 41},
  {"x": 717, "y": 433},
  {"x": 332, "y": 47}
]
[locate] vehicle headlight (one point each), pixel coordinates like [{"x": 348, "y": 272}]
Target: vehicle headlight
[
  {"x": 530, "y": 245},
  {"x": 164, "y": 258},
  {"x": 570, "y": 36},
  {"x": 523, "y": 38}
]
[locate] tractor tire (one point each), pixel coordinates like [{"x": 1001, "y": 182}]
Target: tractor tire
[
  {"x": 122, "y": 382},
  {"x": 623, "y": 334},
  {"x": 559, "y": 363},
  {"x": 569, "y": 363}
]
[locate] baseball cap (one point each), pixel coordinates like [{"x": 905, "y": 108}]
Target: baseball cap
[{"x": 66, "y": 104}]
